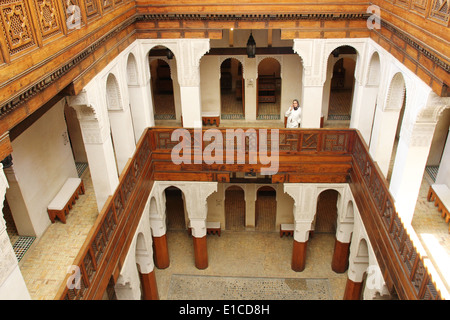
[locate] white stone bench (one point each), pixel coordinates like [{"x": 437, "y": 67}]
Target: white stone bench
[
  {"x": 286, "y": 230},
  {"x": 211, "y": 117},
  {"x": 213, "y": 228},
  {"x": 64, "y": 199},
  {"x": 440, "y": 194}
]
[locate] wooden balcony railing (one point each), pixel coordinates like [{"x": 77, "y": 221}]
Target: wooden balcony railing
[
  {"x": 396, "y": 254},
  {"x": 302, "y": 154},
  {"x": 107, "y": 243}
]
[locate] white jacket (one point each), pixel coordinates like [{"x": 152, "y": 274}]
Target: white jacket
[{"x": 293, "y": 118}]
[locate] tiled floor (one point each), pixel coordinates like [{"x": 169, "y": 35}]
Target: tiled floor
[
  {"x": 45, "y": 265},
  {"x": 252, "y": 257},
  {"x": 235, "y": 254}
]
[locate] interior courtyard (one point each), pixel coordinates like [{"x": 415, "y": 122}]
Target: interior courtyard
[{"x": 104, "y": 111}]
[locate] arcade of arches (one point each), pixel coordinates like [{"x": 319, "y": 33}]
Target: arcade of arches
[{"x": 340, "y": 83}]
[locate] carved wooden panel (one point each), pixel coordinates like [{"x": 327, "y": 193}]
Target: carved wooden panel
[
  {"x": 419, "y": 6},
  {"x": 72, "y": 14},
  {"x": 107, "y": 5},
  {"x": 91, "y": 8},
  {"x": 335, "y": 142},
  {"x": 440, "y": 11},
  {"x": 309, "y": 142},
  {"x": 16, "y": 26},
  {"x": 403, "y": 3},
  {"x": 47, "y": 16}
]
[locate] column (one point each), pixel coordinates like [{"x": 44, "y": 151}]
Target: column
[
  {"x": 383, "y": 137},
  {"x": 149, "y": 286},
  {"x": 250, "y": 205},
  {"x": 443, "y": 175},
  {"x": 161, "y": 249},
  {"x": 363, "y": 109},
  {"x": 199, "y": 239},
  {"x": 412, "y": 154},
  {"x": 301, "y": 235},
  {"x": 141, "y": 104},
  {"x": 304, "y": 196},
  {"x": 123, "y": 135},
  {"x": 341, "y": 252},
  {"x": 353, "y": 290},
  {"x": 189, "y": 53},
  {"x": 250, "y": 94},
  {"x": 146, "y": 270},
  {"x": 12, "y": 284},
  {"x": 98, "y": 146},
  {"x": 196, "y": 194},
  {"x": 311, "y": 51}
]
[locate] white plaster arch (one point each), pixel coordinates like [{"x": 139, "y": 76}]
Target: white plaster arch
[
  {"x": 144, "y": 254},
  {"x": 396, "y": 93},
  {"x": 261, "y": 58},
  {"x": 373, "y": 75},
  {"x": 132, "y": 69},
  {"x": 113, "y": 93},
  {"x": 330, "y": 46},
  {"x": 238, "y": 58}
]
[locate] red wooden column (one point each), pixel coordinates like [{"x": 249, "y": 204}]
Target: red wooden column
[
  {"x": 353, "y": 290},
  {"x": 161, "y": 252},
  {"x": 341, "y": 253},
  {"x": 200, "y": 252},
  {"x": 149, "y": 287},
  {"x": 299, "y": 255}
]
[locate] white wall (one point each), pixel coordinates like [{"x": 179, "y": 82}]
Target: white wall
[{"x": 43, "y": 160}]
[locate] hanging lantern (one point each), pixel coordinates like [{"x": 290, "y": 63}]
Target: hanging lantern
[{"x": 251, "y": 46}]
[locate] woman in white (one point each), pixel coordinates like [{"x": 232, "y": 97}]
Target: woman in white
[{"x": 293, "y": 115}]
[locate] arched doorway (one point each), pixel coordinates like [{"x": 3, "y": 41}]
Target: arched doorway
[
  {"x": 266, "y": 209},
  {"x": 339, "y": 86},
  {"x": 268, "y": 90},
  {"x": 326, "y": 213},
  {"x": 162, "y": 84},
  {"x": 175, "y": 209},
  {"x": 234, "y": 209},
  {"x": 231, "y": 89}
]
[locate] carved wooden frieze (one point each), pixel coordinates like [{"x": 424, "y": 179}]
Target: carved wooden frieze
[
  {"x": 16, "y": 26},
  {"x": 47, "y": 16}
]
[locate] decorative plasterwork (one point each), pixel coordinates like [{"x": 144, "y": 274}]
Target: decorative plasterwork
[
  {"x": 195, "y": 197},
  {"x": 188, "y": 55},
  {"x": 93, "y": 128},
  {"x": 435, "y": 106}
]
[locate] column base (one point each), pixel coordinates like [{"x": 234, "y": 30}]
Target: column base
[
  {"x": 149, "y": 287},
  {"x": 353, "y": 290},
  {"x": 200, "y": 252},
  {"x": 339, "y": 263},
  {"x": 161, "y": 252},
  {"x": 299, "y": 256}
]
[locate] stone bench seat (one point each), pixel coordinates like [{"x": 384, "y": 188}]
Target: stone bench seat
[
  {"x": 286, "y": 230},
  {"x": 213, "y": 228},
  {"x": 65, "y": 198},
  {"x": 440, "y": 194},
  {"x": 211, "y": 118}
]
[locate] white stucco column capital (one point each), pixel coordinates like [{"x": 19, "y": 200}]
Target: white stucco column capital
[
  {"x": 301, "y": 230},
  {"x": 188, "y": 60}
]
